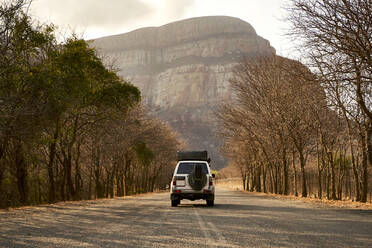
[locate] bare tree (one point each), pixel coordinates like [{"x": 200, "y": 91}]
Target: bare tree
[
  {"x": 337, "y": 37},
  {"x": 273, "y": 112}
]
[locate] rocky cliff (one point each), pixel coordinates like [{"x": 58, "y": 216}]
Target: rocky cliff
[{"x": 183, "y": 68}]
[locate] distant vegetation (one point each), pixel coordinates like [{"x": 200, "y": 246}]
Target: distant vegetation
[
  {"x": 70, "y": 128},
  {"x": 290, "y": 129}
]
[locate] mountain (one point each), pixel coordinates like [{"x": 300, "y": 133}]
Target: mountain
[{"x": 182, "y": 69}]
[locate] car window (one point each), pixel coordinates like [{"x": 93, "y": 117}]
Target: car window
[{"x": 186, "y": 168}]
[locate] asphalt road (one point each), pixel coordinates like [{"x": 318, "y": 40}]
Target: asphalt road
[{"x": 237, "y": 220}]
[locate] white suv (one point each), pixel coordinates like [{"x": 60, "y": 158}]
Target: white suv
[{"x": 192, "y": 180}]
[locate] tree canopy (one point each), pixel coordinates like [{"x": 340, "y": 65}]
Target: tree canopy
[{"x": 71, "y": 128}]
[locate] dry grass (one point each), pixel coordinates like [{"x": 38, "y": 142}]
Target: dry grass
[
  {"x": 236, "y": 184},
  {"x": 81, "y": 202}
]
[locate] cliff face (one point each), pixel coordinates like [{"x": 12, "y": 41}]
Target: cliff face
[{"x": 183, "y": 68}]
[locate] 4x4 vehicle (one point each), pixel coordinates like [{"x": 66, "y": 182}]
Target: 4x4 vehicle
[{"x": 192, "y": 178}]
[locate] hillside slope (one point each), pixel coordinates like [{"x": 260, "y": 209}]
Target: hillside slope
[{"x": 183, "y": 68}]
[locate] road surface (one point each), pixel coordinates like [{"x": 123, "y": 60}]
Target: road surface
[{"x": 237, "y": 220}]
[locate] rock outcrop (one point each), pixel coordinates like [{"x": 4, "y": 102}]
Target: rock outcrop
[{"x": 183, "y": 68}]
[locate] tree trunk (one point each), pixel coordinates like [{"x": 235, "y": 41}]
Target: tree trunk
[
  {"x": 21, "y": 172},
  {"x": 328, "y": 181},
  {"x": 369, "y": 142},
  {"x": 78, "y": 178},
  {"x": 347, "y": 182},
  {"x": 333, "y": 176},
  {"x": 294, "y": 173},
  {"x": 278, "y": 177},
  {"x": 274, "y": 181},
  {"x": 244, "y": 178},
  {"x": 341, "y": 175},
  {"x": 263, "y": 177},
  {"x": 2, "y": 169},
  {"x": 251, "y": 177},
  {"x": 320, "y": 163},
  {"x": 70, "y": 186},
  {"x": 320, "y": 170},
  {"x": 303, "y": 174},
  {"x": 120, "y": 182},
  {"x": 63, "y": 185},
  {"x": 364, "y": 151},
  {"x": 364, "y": 194},
  {"x": 258, "y": 178},
  {"x": 51, "y": 163},
  {"x": 271, "y": 180},
  {"x": 2, "y": 172},
  {"x": 97, "y": 173},
  {"x": 285, "y": 174},
  {"x": 127, "y": 165},
  {"x": 90, "y": 184},
  {"x": 355, "y": 171}
]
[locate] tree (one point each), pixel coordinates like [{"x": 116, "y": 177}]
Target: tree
[
  {"x": 68, "y": 124},
  {"x": 273, "y": 112},
  {"x": 337, "y": 38},
  {"x": 22, "y": 106},
  {"x": 89, "y": 93}
]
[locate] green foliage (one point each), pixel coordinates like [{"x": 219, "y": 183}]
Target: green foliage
[
  {"x": 118, "y": 95},
  {"x": 341, "y": 160},
  {"x": 144, "y": 154},
  {"x": 68, "y": 124},
  {"x": 84, "y": 80}
]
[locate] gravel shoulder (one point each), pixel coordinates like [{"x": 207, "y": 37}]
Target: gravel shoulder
[{"x": 235, "y": 185}]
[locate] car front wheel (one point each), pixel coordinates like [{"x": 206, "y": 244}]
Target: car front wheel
[
  {"x": 175, "y": 203},
  {"x": 210, "y": 203}
]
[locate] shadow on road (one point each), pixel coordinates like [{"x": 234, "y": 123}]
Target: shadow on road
[
  {"x": 301, "y": 209},
  {"x": 254, "y": 221}
]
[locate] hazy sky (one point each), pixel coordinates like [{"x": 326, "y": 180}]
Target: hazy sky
[{"x": 97, "y": 18}]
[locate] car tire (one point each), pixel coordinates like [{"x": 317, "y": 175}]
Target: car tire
[
  {"x": 174, "y": 203},
  {"x": 210, "y": 203}
]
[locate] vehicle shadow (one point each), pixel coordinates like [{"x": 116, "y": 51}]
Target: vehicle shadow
[{"x": 193, "y": 205}]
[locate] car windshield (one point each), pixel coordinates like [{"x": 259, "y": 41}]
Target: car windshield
[{"x": 186, "y": 168}]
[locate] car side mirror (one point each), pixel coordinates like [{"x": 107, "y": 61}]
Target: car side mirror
[{"x": 213, "y": 175}]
